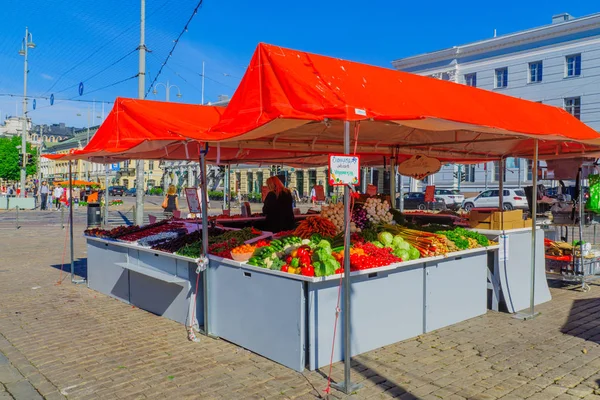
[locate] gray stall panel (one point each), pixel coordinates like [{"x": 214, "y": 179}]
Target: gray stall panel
[
  {"x": 104, "y": 275},
  {"x": 261, "y": 312},
  {"x": 511, "y": 277},
  {"x": 456, "y": 290},
  {"x": 387, "y": 307}
]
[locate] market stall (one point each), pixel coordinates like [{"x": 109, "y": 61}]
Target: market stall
[{"x": 295, "y": 107}]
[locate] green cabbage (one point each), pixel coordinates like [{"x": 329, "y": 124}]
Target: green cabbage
[
  {"x": 402, "y": 253},
  {"x": 386, "y": 238},
  {"x": 414, "y": 253},
  {"x": 397, "y": 240},
  {"x": 403, "y": 246}
]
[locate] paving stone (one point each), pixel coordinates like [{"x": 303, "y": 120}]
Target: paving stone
[
  {"x": 23, "y": 391},
  {"x": 9, "y": 374},
  {"x": 581, "y": 391}
]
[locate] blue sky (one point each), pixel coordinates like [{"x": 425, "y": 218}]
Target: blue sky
[{"x": 77, "y": 41}]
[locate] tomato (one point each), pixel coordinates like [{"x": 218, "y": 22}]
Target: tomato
[{"x": 285, "y": 268}]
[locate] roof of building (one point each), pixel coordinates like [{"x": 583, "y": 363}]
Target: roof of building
[
  {"x": 569, "y": 26},
  {"x": 79, "y": 139}
]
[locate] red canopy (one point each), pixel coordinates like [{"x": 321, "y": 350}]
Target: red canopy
[
  {"x": 290, "y": 107},
  {"x": 298, "y": 98}
]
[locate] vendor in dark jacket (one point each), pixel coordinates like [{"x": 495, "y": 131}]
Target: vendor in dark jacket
[{"x": 278, "y": 207}]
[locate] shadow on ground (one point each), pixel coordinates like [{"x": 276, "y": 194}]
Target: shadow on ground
[
  {"x": 387, "y": 385},
  {"x": 79, "y": 267},
  {"x": 583, "y": 321}
]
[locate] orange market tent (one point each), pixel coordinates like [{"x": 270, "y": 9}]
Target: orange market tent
[
  {"x": 77, "y": 183},
  {"x": 289, "y": 99}
]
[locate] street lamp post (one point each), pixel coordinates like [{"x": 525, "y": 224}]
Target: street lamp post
[
  {"x": 25, "y": 46},
  {"x": 167, "y": 89}
]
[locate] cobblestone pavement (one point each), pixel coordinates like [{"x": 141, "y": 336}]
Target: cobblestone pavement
[{"x": 69, "y": 341}]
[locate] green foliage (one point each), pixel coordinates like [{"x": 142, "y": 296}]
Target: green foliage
[
  {"x": 9, "y": 159},
  {"x": 156, "y": 191}
]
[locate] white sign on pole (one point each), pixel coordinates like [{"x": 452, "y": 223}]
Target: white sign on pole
[{"x": 344, "y": 170}]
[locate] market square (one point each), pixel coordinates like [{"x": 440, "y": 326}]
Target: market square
[{"x": 309, "y": 221}]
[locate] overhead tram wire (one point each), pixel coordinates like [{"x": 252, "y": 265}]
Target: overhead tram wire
[
  {"x": 98, "y": 49},
  {"x": 99, "y": 72},
  {"x": 185, "y": 28}
]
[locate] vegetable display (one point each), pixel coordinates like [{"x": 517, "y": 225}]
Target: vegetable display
[
  {"x": 312, "y": 225},
  {"x": 335, "y": 214},
  {"x": 378, "y": 211}
]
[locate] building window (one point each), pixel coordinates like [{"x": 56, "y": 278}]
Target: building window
[
  {"x": 535, "y": 72},
  {"x": 497, "y": 172},
  {"x": 501, "y": 78},
  {"x": 573, "y": 106},
  {"x": 151, "y": 165},
  {"x": 573, "y": 65},
  {"x": 469, "y": 173},
  {"x": 471, "y": 80}
]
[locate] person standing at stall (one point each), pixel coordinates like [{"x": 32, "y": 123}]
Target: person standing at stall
[
  {"x": 278, "y": 207},
  {"x": 44, "y": 190},
  {"x": 170, "y": 202}
]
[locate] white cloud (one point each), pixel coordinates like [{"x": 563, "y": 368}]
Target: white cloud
[{"x": 47, "y": 77}]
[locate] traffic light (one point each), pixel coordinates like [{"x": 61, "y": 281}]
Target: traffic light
[
  {"x": 29, "y": 159},
  {"x": 21, "y": 160}
]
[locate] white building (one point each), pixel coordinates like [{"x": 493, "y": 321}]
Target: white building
[{"x": 556, "y": 64}]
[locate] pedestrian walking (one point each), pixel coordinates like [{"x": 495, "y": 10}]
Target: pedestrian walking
[
  {"x": 58, "y": 192},
  {"x": 44, "y": 191}
]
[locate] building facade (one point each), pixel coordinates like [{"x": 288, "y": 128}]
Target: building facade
[{"x": 557, "y": 64}]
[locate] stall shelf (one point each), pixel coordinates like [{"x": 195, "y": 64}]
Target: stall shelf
[{"x": 510, "y": 274}]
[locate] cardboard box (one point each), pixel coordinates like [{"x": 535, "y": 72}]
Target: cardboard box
[{"x": 509, "y": 216}]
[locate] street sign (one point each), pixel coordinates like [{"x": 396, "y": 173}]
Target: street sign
[
  {"x": 51, "y": 99},
  {"x": 34, "y": 104},
  {"x": 115, "y": 167},
  {"x": 80, "y": 88}
]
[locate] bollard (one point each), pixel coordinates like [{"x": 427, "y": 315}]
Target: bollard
[
  {"x": 17, "y": 220},
  {"x": 62, "y": 217}
]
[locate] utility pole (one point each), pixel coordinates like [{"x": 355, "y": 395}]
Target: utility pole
[
  {"x": 87, "y": 164},
  {"x": 25, "y": 46},
  {"x": 139, "y": 164}
]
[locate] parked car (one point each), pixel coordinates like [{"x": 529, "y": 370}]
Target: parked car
[
  {"x": 116, "y": 190},
  {"x": 512, "y": 198},
  {"x": 416, "y": 201},
  {"x": 452, "y": 199},
  {"x": 130, "y": 192}
]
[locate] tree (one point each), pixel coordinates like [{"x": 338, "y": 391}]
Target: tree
[{"x": 9, "y": 159}]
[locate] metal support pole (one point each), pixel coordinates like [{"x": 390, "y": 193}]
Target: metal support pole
[
  {"x": 62, "y": 216},
  {"x": 346, "y": 386},
  {"x": 106, "y": 196},
  {"x": 70, "y": 201},
  {"x": 580, "y": 201},
  {"x": 401, "y": 208},
  {"x": 139, "y": 164},
  {"x": 393, "y": 182},
  {"x": 205, "y": 276},
  {"x": 532, "y": 314},
  {"x": 17, "y": 221},
  {"x": 501, "y": 186},
  {"x": 485, "y": 169}
]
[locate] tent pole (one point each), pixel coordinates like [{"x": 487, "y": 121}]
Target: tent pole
[
  {"x": 70, "y": 201},
  {"x": 393, "y": 182},
  {"x": 346, "y": 386},
  {"x": 401, "y": 208},
  {"x": 532, "y": 314},
  {"x": 581, "y": 215},
  {"x": 501, "y": 187},
  {"x": 204, "y": 200},
  {"x": 106, "y": 196}
]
